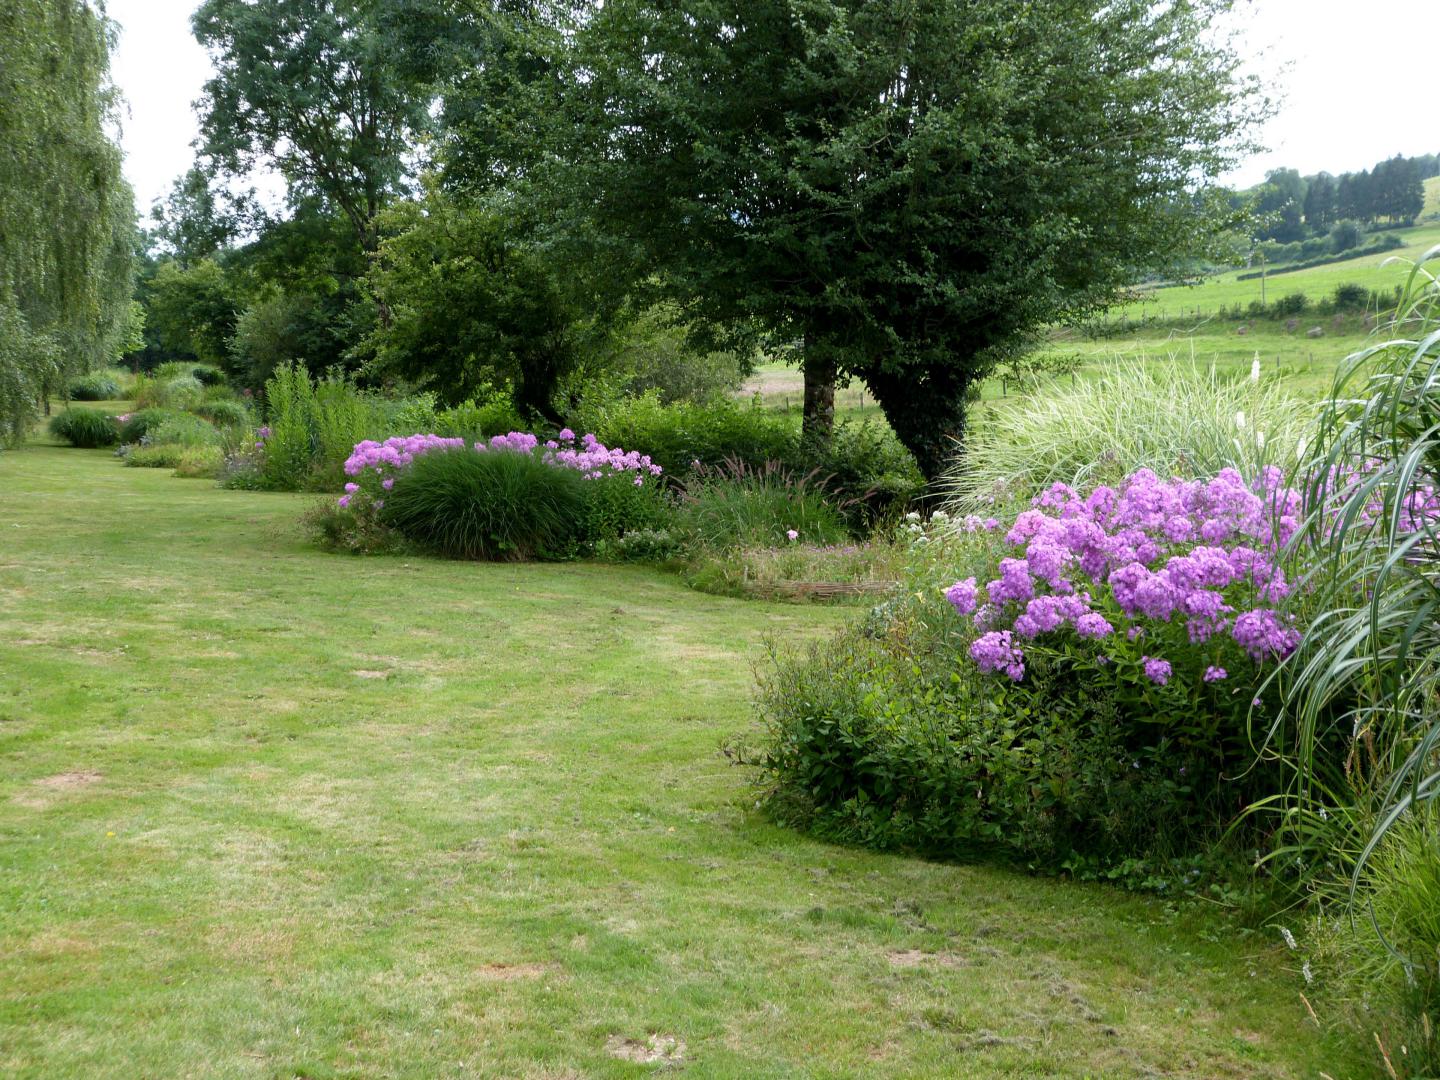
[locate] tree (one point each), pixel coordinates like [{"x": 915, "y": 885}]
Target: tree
[
  {"x": 905, "y": 189},
  {"x": 1320, "y": 203},
  {"x": 193, "y": 310},
  {"x": 317, "y": 90},
  {"x": 474, "y": 305},
  {"x": 67, "y": 219},
  {"x": 191, "y": 223}
]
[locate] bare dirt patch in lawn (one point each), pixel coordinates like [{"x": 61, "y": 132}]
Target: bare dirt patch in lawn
[
  {"x": 668, "y": 1049},
  {"x": 44, "y": 791}
]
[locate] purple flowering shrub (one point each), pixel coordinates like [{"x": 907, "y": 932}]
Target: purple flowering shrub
[{"x": 1171, "y": 587}]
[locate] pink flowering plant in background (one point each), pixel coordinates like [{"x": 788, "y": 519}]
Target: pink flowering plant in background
[{"x": 621, "y": 483}]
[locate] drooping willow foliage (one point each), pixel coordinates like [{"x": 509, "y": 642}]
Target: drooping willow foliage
[{"x": 67, "y": 216}]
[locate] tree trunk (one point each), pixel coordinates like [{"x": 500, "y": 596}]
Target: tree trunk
[
  {"x": 818, "y": 422},
  {"x": 927, "y": 414}
]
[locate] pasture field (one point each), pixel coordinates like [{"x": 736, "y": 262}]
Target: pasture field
[{"x": 270, "y": 812}]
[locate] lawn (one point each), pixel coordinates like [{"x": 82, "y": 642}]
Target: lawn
[{"x": 267, "y": 812}]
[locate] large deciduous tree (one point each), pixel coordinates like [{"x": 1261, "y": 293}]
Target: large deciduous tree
[
  {"x": 907, "y": 189},
  {"x": 67, "y": 217},
  {"x": 322, "y": 91}
]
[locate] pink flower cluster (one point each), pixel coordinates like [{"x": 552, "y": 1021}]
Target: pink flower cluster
[
  {"x": 1197, "y": 554},
  {"x": 586, "y": 455}
]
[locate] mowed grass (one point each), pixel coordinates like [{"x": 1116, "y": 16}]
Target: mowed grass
[{"x": 267, "y": 812}]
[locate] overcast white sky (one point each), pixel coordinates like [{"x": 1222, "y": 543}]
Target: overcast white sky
[{"x": 1351, "y": 89}]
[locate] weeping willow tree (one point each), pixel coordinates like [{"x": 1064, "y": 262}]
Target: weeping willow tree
[{"x": 67, "y": 217}]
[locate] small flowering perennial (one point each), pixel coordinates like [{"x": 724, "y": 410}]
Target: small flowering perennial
[{"x": 1185, "y": 567}]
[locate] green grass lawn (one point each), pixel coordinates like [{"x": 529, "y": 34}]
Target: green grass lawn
[{"x": 267, "y": 812}]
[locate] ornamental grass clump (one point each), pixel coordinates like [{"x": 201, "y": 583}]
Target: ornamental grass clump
[
  {"x": 85, "y": 428},
  {"x": 94, "y": 387},
  {"x": 1172, "y": 417},
  {"x": 476, "y": 505}
]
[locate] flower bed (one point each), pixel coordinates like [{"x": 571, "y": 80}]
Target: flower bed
[{"x": 586, "y": 455}]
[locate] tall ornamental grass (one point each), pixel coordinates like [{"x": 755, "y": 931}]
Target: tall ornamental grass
[
  {"x": 1370, "y": 665},
  {"x": 1173, "y": 417}
]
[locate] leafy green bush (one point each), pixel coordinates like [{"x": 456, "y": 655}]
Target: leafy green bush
[
  {"x": 616, "y": 506},
  {"x": 498, "y": 505},
  {"x": 879, "y": 737},
  {"x": 738, "y": 506},
  {"x": 314, "y": 426},
  {"x": 184, "y": 429},
  {"x": 85, "y": 428},
  {"x": 139, "y": 424},
  {"x": 1175, "y": 419},
  {"x": 207, "y": 374},
  {"x": 678, "y": 436},
  {"x": 95, "y": 387},
  {"x": 224, "y": 413},
  {"x": 475, "y": 420}
]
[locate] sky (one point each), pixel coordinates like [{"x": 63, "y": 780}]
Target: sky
[{"x": 1350, "y": 86}]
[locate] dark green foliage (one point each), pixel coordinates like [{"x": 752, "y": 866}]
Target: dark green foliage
[
  {"x": 474, "y": 305},
  {"x": 1350, "y": 297},
  {"x": 144, "y": 422},
  {"x": 1292, "y": 304},
  {"x": 495, "y": 505},
  {"x": 93, "y": 388},
  {"x": 492, "y": 415},
  {"x": 85, "y": 428},
  {"x": 208, "y": 374},
  {"x": 736, "y": 505},
  {"x": 864, "y": 467}
]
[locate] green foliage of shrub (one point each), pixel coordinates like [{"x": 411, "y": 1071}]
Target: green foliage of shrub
[
  {"x": 615, "y": 507},
  {"x": 314, "y": 426},
  {"x": 207, "y": 374},
  {"x": 1176, "y": 419},
  {"x": 739, "y": 506},
  {"x": 143, "y": 421},
  {"x": 884, "y": 737},
  {"x": 224, "y": 413},
  {"x": 500, "y": 505},
  {"x": 678, "y": 435},
  {"x": 479, "y": 419},
  {"x": 93, "y": 387},
  {"x": 865, "y": 467},
  {"x": 85, "y": 428},
  {"x": 184, "y": 429}
]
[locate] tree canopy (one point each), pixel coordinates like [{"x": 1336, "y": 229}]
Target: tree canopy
[{"x": 905, "y": 189}]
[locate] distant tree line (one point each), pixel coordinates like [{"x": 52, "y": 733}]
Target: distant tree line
[{"x": 1293, "y": 208}]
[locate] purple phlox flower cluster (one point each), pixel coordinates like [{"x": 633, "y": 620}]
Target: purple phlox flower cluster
[
  {"x": 963, "y": 596},
  {"x": 1159, "y": 551},
  {"x": 1156, "y": 670},
  {"x": 1215, "y": 674},
  {"x": 996, "y": 651}
]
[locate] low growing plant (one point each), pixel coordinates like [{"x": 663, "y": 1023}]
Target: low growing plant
[{"x": 95, "y": 387}]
